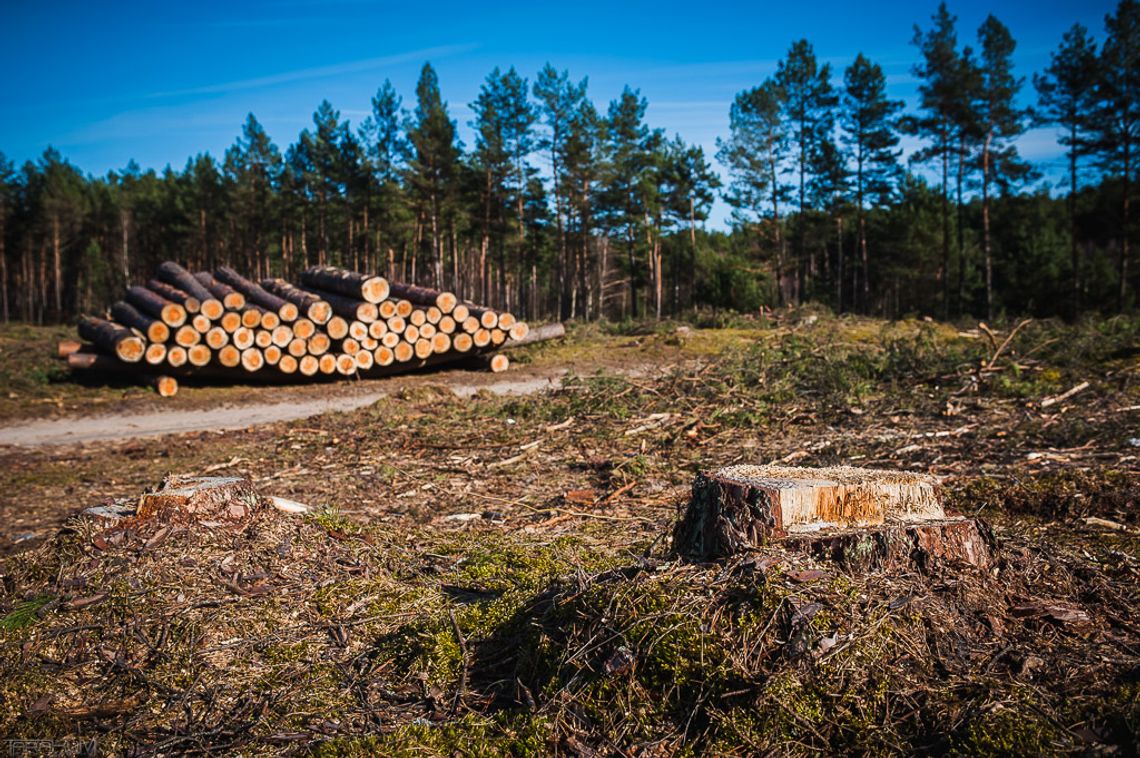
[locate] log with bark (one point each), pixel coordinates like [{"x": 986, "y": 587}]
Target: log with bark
[
  {"x": 164, "y": 385},
  {"x": 113, "y": 339},
  {"x": 156, "y": 306},
  {"x": 231, "y": 299},
  {"x": 256, "y": 294},
  {"x": 371, "y": 289},
  {"x": 154, "y": 329},
  {"x": 314, "y": 308},
  {"x": 175, "y": 295}
]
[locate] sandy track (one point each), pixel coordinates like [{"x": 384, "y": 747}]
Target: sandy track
[{"x": 110, "y": 427}]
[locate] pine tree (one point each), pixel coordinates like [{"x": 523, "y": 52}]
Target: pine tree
[
  {"x": 560, "y": 99},
  {"x": 940, "y": 94},
  {"x": 1002, "y": 122},
  {"x": 808, "y": 105},
  {"x": 624, "y": 196},
  {"x": 387, "y": 151},
  {"x": 433, "y": 169},
  {"x": 869, "y": 126},
  {"x": 752, "y": 154},
  {"x": 253, "y": 167},
  {"x": 1066, "y": 96},
  {"x": 1117, "y": 119},
  {"x": 690, "y": 188},
  {"x": 7, "y": 193}
]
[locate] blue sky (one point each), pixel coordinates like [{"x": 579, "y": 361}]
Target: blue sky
[{"x": 158, "y": 82}]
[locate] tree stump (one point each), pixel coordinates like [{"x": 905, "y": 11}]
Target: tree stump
[{"x": 858, "y": 517}]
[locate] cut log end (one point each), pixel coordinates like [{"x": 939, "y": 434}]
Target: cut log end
[
  {"x": 319, "y": 312},
  {"x": 166, "y": 386},
  {"x": 404, "y": 352},
  {"x": 158, "y": 332},
  {"x": 375, "y": 289},
  {"x": 287, "y": 365},
  {"x": 213, "y": 309},
  {"x": 337, "y": 328},
  {"x": 499, "y": 363},
  {"x": 67, "y": 347},
  {"x": 308, "y": 365},
  {"x": 176, "y": 356},
  {"x": 384, "y": 356},
  {"x": 252, "y": 359},
  {"x": 155, "y": 354},
  {"x": 519, "y": 331},
  {"x": 229, "y": 356},
  {"x": 345, "y": 365},
  {"x": 423, "y": 348},
  {"x": 327, "y": 364},
  {"x": 463, "y": 342},
  {"x": 173, "y": 315},
  {"x": 446, "y": 302},
  {"x": 288, "y": 312},
  {"x": 234, "y": 301},
  {"x": 130, "y": 349},
  {"x": 198, "y": 355}
]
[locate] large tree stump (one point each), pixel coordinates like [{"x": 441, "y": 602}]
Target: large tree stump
[{"x": 859, "y": 517}]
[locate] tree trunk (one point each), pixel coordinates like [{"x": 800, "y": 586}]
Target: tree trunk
[
  {"x": 57, "y": 267},
  {"x": 986, "y": 227},
  {"x": 1073, "y": 248},
  {"x": 1127, "y": 205}
]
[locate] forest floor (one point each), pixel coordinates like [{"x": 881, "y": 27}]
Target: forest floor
[{"x": 492, "y": 574}]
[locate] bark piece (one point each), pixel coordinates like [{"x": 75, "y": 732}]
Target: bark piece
[{"x": 922, "y": 545}]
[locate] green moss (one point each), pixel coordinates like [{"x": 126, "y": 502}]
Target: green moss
[
  {"x": 1005, "y": 730},
  {"x": 23, "y": 615},
  {"x": 501, "y": 735}
]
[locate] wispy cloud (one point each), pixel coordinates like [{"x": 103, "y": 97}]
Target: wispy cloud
[{"x": 319, "y": 72}]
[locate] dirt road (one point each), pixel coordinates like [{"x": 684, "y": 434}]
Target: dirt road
[{"x": 110, "y": 427}]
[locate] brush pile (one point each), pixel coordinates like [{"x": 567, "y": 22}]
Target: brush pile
[{"x": 333, "y": 323}]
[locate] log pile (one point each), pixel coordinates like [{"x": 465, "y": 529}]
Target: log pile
[{"x": 332, "y": 323}]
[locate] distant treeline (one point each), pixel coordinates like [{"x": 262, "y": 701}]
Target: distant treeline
[{"x": 561, "y": 210}]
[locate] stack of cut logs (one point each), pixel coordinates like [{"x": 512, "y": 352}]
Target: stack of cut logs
[{"x": 333, "y": 323}]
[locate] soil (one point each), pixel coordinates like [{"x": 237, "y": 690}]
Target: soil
[{"x": 105, "y": 427}]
